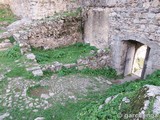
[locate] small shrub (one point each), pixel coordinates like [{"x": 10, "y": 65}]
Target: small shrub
[{"x": 12, "y": 40}]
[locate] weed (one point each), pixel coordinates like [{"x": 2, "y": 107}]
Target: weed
[
  {"x": 6, "y": 15},
  {"x": 12, "y": 53},
  {"x": 106, "y": 72},
  {"x": 12, "y": 40}
]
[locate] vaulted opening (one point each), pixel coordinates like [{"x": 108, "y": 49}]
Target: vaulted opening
[{"x": 136, "y": 57}]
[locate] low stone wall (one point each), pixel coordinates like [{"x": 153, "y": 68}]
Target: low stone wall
[{"x": 99, "y": 60}]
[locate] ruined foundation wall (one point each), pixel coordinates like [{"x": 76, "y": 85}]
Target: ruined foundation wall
[{"x": 127, "y": 20}]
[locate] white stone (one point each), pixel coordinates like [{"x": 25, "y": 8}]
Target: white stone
[
  {"x": 31, "y": 56},
  {"x": 31, "y": 105},
  {"x": 51, "y": 94},
  {"x": 37, "y": 72},
  {"x": 108, "y": 82},
  {"x": 108, "y": 100},
  {"x": 45, "y": 96},
  {"x": 40, "y": 118},
  {"x": 4, "y": 116},
  {"x": 126, "y": 100}
]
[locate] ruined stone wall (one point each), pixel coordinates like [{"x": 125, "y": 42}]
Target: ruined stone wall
[
  {"x": 137, "y": 20},
  {"x": 4, "y": 1},
  {"x": 50, "y": 34},
  {"x": 37, "y": 9}
]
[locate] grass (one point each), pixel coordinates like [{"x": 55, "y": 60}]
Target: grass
[
  {"x": 73, "y": 13},
  {"x": 1, "y": 31},
  {"x": 67, "y": 54},
  {"x": 7, "y": 60},
  {"x": 12, "y": 53},
  {"x": 6, "y": 15},
  {"x": 110, "y": 111},
  {"x": 106, "y": 72}
]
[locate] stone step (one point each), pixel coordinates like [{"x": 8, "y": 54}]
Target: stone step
[{"x": 5, "y": 45}]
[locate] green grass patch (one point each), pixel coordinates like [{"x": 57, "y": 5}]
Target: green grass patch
[
  {"x": 72, "y": 13},
  {"x": 12, "y": 53},
  {"x": 1, "y": 31},
  {"x": 6, "y": 14},
  {"x": 19, "y": 72},
  {"x": 67, "y": 54},
  {"x": 111, "y": 111},
  {"x": 106, "y": 72},
  {"x": 12, "y": 40}
]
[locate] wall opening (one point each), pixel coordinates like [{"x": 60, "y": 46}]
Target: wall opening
[{"x": 136, "y": 58}]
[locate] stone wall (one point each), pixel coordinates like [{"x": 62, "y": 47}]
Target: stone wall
[
  {"x": 4, "y": 1},
  {"x": 96, "y": 27},
  {"x": 127, "y": 20},
  {"x": 37, "y": 9}
]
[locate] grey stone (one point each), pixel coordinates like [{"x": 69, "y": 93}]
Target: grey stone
[
  {"x": 31, "y": 56},
  {"x": 45, "y": 96},
  {"x": 37, "y": 72},
  {"x": 156, "y": 106},
  {"x": 2, "y": 117}
]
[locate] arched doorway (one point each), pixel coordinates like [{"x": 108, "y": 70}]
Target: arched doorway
[{"x": 136, "y": 58}]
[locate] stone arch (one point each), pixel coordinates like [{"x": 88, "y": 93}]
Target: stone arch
[{"x": 119, "y": 51}]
